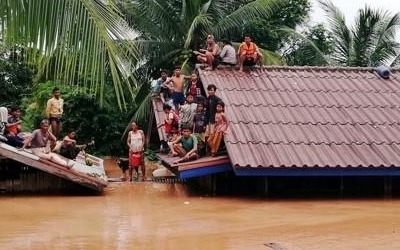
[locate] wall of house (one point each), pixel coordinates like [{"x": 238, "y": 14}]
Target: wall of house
[{"x": 16, "y": 177}]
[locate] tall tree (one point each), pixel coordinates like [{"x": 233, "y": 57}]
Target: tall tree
[
  {"x": 171, "y": 29},
  {"x": 312, "y": 47},
  {"x": 370, "y": 42},
  {"x": 268, "y": 33},
  {"x": 77, "y": 41}
]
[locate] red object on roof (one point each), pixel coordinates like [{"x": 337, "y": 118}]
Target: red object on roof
[{"x": 302, "y": 117}]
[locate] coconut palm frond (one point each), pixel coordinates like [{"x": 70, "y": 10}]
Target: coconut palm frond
[
  {"x": 386, "y": 45},
  {"x": 252, "y": 10},
  {"x": 202, "y": 20},
  {"x": 395, "y": 61},
  {"x": 75, "y": 41},
  {"x": 143, "y": 112},
  {"x": 340, "y": 32},
  {"x": 271, "y": 58},
  {"x": 312, "y": 49}
]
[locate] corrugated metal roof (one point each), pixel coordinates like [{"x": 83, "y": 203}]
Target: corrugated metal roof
[{"x": 310, "y": 116}]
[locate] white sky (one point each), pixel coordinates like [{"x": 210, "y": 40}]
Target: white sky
[{"x": 350, "y": 7}]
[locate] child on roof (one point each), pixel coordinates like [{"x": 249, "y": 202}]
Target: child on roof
[
  {"x": 187, "y": 112},
  {"x": 171, "y": 120},
  {"x": 221, "y": 125},
  {"x": 185, "y": 146},
  {"x": 199, "y": 127},
  {"x": 194, "y": 87}
]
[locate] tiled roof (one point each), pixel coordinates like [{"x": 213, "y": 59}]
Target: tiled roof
[{"x": 310, "y": 117}]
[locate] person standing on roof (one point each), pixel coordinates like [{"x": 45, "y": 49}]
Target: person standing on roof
[
  {"x": 171, "y": 121},
  {"x": 194, "y": 87},
  {"x": 178, "y": 98},
  {"x": 248, "y": 53},
  {"x": 54, "y": 111},
  {"x": 211, "y": 104},
  {"x": 163, "y": 89},
  {"x": 221, "y": 125}
]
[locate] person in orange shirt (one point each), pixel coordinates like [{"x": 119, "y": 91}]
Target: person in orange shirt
[{"x": 248, "y": 53}]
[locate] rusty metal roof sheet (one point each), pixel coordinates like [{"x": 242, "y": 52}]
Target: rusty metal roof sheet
[{"x": 310, "y": 116}]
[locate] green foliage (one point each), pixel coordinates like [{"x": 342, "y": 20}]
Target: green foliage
[
  {"x": 370, "y": 42},
  {"x": 150, "y": 155},
  {"x": 74, "y": 40},
  {"x": 310, "y": 49},
  {"x": 82, "y": 112},
  {"x": 267, "y": 32},
  {"x": 169, "y": 30},
  {"x": 15, "y": 77}
]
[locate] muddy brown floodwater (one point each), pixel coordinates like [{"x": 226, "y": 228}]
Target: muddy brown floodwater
[{"x": 149, "y": 215}]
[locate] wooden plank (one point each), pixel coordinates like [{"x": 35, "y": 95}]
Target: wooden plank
[
  {"x": 27, "y": 158},
  {"x": 160, "y": 116},
  {"x": 199, "y": 163}
]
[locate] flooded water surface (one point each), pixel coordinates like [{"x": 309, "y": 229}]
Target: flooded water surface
[{"x": 162, "y": 216}]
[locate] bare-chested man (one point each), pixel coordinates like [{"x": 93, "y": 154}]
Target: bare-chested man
[{"x": 178, "y": 98}]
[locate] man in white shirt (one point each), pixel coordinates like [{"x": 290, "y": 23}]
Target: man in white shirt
[{"x": 228, "y": 54}]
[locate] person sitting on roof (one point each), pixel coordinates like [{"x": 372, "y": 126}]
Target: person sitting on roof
[
  {"x": 14, "y": 128},
  {"x": 248, "y": 53},
  {"x": 3, "y": 122},
  {"x": 68, "y": 148},
  {"x": 228, "y": 54},
  {"x": 39, "y": 143},
  {"x": 209, "y": 54},
  {"x": 185, "y": 146}
]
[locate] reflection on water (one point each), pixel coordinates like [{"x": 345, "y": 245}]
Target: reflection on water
[{"x": 163, "y": 216}]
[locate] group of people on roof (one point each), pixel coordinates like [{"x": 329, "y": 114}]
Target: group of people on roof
[
  {"x": 193, "y": 123},
  {"x": 248, "y": 54},
  {"x": 42, "y": 141}
]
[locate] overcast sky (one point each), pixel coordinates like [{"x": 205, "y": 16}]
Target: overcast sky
[{"x": 349, "y": 8}]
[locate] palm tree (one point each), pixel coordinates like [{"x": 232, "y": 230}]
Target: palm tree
[
  {"x": 83, "y": 43},
  {"x": 370, "y": 42},
  {"x": 171, "y": 29}
]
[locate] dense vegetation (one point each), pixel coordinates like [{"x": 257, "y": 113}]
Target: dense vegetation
[{"x": 103, "y": 56}]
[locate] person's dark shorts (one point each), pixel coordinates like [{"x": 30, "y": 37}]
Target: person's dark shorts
[
  {"x": 178, "y": 98},
  {"x": 55, "y": 119},
  {"x": 249, "y": 62},
  {"x": 227, "y": 64}
]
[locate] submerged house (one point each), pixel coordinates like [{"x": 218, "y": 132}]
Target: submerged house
[{"x": 304, "y": 121}]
